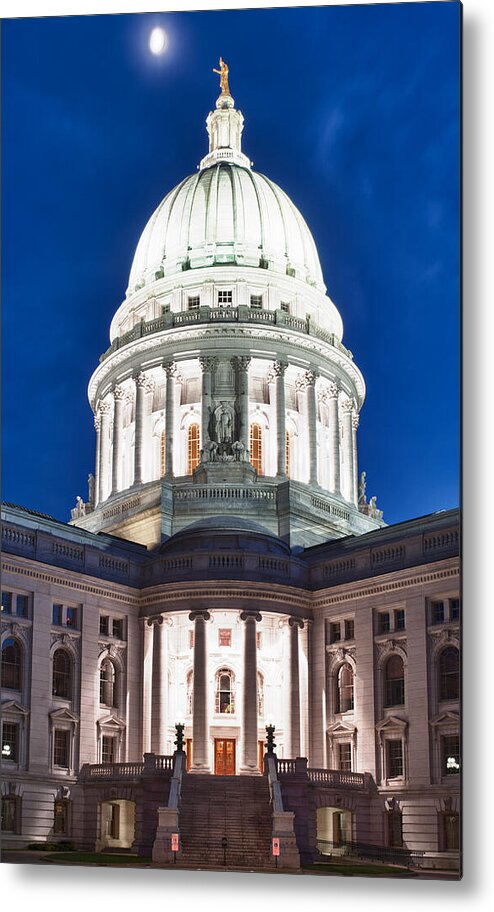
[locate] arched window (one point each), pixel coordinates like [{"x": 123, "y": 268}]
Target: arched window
[
  {"x": 162, "y": 454},
  {"x": 260, "y": 694},
  {"x": 190, "y": 691},
  {"x": 287, "y": 454},
  {"x": 62, "y": 675},
  {"x": 225, "y": 694},
  {"x": 449, "y": 674},
  {"x": 256, "y": 447},
  {"x": 11, "y": 664},
  {"x": 193, "y": 450},
  {"x": 108, "y": 683},
  {"x": 394, "y": 682},
  {"x": 344, "y": 693}
]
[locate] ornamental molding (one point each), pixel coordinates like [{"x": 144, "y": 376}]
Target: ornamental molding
[
  {"x": 448, "y": 718},
  {"x": 204, "y": 594},
  {"x": 391, "y": 724},
  {"x": 14, "y": 709},
  {"x": 194, "y": 336},
  {"x": 112, "y": 721},
  {"x": 444, "y": 637},
  {"x": 364, "y": 590},
  {"x": 63, "y": 715},
  {"x": 66, "y": 641},
  {"x": 338, "y": 729},
  {"x": 112, "y": 650},
  {"x": 21, "y": 632},
  {"x": 73, "y": 584},
  {"x": 391, "y": 647},
  {"x": 339, "y": 654}
]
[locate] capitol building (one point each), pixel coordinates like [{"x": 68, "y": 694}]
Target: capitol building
[{"x": 227, "y": 656}]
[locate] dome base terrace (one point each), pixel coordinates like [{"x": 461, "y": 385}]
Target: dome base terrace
[{"x": 299, "y": 514}]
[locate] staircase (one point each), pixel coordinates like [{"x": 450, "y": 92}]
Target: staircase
[{"x": 235, "y": 807}]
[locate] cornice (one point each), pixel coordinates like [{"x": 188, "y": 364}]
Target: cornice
[
  {"x": 392, "y": 582},
  {"x": 71, "y": 581}
]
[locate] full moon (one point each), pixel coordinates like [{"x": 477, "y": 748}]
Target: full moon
[{"x": 157, "y": 41}]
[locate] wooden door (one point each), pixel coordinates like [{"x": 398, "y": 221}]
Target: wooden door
[
  {"x": 188, "y": 753},
  {"x": 261, "y": 750},
  {"x": 224, "y": 756}
]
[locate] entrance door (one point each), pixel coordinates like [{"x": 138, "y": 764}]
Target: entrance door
[
  {"x": 224, "y": 756},
  {"x": 188, "y": 753}
]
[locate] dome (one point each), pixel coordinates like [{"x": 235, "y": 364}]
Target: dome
[
  {"x": 226, "y": 214},
  {"x": 224, "y": 531}
]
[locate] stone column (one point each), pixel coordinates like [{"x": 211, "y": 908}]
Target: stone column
[
  {"x": 334, "y": 438},
  {"x": 241, "y": 366},
  {"x": 355, "y": 422},
  {"x": 140, "y": 381},
  {"x": 200, "y": 753},
  {"x": 170, "y": 370},
  {"x": 208, "y": 366},
  {"x": 310, "y": 378},
  {"x": 279, "y": 368},
  {"x": 249, "y": 715},
  {"x": 118, "y": 398},
  {"x": 159, "y": 686},
  {"x": 347, "y": 410},
  {"x": 97, "y": 428},
  {"x": 104, "y": 452},
  {"x": 294, "y": 722}
]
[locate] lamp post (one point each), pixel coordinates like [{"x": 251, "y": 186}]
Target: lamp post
[
  {"x": 179, "y": 741},
  {"x": 270, "y": 742}
]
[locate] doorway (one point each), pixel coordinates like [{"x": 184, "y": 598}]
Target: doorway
[{"x": 224, "y": 756}]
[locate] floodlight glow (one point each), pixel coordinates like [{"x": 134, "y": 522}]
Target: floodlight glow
[{"x": 157, "y": 41}]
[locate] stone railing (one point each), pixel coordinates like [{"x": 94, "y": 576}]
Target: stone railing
[
  {"x": 337, "y": 779},
  {"x": 240, "y": 314},
  {"x": 112, "y": 771}
]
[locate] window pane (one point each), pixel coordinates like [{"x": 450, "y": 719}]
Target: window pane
[
  {"x": 395, "y": 758},
  {"x": 383, "y": 624},
  {"x": 9, "y": 808},
  {"x": 108, "y": 749},
  {"x": 394, "y": 682},
  {"x": 10, "y": 741},
  {"x": 450, "y": 755},
  {"x": 437, "y": 611},
  {"x": 345, "y": 756},
  {"x": 57, "y": 617},
  {"x": 454, "y": 609},
  {"x": 60, "y": 817},
  {"x": 449, "y": 674},
  {"x": 71, "y": 617},
  {"x": 349, "y": 630},
  {"x": 61, "y": 742},
  {"x": 7, "y": 602},
  {"x": 117, "y": 628},
  {"x": 11, "y": 664},
  {"x": 400, "y": 619},
  {"x": 104, "y": 624},
  {"x": 62, "y": 674}
]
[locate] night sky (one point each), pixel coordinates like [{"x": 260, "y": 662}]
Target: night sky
[{"x": 353, "y": 111}]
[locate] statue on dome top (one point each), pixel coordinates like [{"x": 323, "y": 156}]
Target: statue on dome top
[{"x": 223, "y": 74}]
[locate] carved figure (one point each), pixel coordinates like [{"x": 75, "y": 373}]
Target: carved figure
[
  {"x": 223, "y": 74},
  {"x": 223, "y": 423},
  {"x": 361, "y": 489},
  {"x": 239, "y": 452},
  {"x": 90, "y": 485},
  {"x": 79, "y": 509}
]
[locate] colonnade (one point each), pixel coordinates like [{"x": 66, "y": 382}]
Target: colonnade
[
  {"x": 340, "y": 412},
  {"x": 201, "y": 699}
]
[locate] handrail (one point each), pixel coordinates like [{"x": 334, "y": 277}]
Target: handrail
[
  {"x": 176, "y": 780},
  {"x": 274, "y": 784}
]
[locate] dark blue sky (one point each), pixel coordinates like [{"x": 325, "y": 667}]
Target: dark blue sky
[{"x": 353, "y": 110}]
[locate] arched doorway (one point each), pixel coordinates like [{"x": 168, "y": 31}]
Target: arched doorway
[
  {"x": 334, "y": 830},
  {"x": 117, "y": 825}
]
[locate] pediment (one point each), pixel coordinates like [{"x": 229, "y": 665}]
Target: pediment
[
  {"x": 13, "y": 707},
  {"x": 445, "y": 718},
  {"x": 111, "y": 722},
  {"x": 63, "y": 715},
  {"x": 392, "y": 723},
  {"x": 341, "y": 728}
]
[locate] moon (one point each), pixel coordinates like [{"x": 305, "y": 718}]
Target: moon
[{"x": 158, "y": 41}]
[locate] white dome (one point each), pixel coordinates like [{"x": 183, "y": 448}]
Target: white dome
[{"x": 224, "y": 214}]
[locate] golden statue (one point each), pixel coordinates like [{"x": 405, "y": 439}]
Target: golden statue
[{"x": 223, "y": 74}]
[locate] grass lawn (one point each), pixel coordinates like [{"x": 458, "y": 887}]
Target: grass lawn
[
  {"x": 359, "y": 870},
  {"x": 100, "y": 858}
]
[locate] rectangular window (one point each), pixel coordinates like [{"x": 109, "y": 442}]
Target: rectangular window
[
  {"x": 165, "y": 309},
  {"x": 10, "y": 742},
  {"x": 104, "y": 624},
  {"x": 400, "y": 619},
  {"x": 450, "y": 755},
  {"x": 61, "y": 817},
  {"x": 345, "y": 756},
  {"x": 285, "y": 307},
  {"x": 22, "y": 605},
  {"x": 7, "y": 602},
  {"x": 449, "y": 832},
  {"x": 225, "y": 297},
  {"x": 224, "y": 637},
  {"x": 335, "y": 633},
  {"x": 437, "y": 612},
  {"x": 108, "y": 751},
  {"x": 71, "y": 618},
  {"x": 193, "y": 302},
  {"x": 117, "y": 628},
  {"x": 394, "y": 749},
  {"x": 349, "y": 630},
  {"x": 191, "y": 639},
  {"x": 57, "y": 615},
  {"x": 61, "y": 748},
  {"x": 454, "y": 609},
  {"x": 383, "y": 622},
  {"x": 256, "y": 302}
]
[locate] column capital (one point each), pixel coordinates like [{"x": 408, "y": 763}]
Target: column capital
[
  {"x": 170, "y": 368},
  {"x": 306, "y": 380},
  {"x": 105, "y": 408},
  {"x": 241, "y": 361},
  {"x": 155, "y": 621},
  {"x": 119, "y": 392},
  {"x": 347, "y": 406},
  {"x": 332, "y": 390},
  {"x": 97, "y": 420},
  {"x": 296, "y": 622},
  {"x": 140, "y": 378},
  {"x": 246, "y": 615},
  {"x": 355, "y": 422},
  {"x": 199, "y": 613},
  {"x": 208, "y": 363},
  {"x": 279, "y": 367}
]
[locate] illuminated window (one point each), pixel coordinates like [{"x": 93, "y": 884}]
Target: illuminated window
[
  {"x": 61, "y": 817},
  {"x": 287, "y": 454},
  {"x": 225, "y": 696},
  {"x": 10, "y": 742},
  {"x": 224, "y": 637},
  {"x": 193, "y": 450},
  {"x": 256, "y": 447},
  {"x": 450, "y": 749},
  {"x": 162, "y": 454}
]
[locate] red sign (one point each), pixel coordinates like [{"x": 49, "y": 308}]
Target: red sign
[
  {"x": 276, "y": 846},
  {"x": 174, "y": 842}
]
